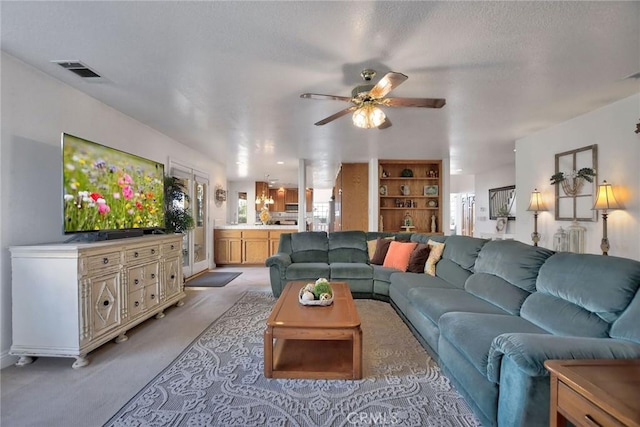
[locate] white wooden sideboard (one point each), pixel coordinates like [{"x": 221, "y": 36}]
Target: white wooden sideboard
[{"x": 70, "y": 298}]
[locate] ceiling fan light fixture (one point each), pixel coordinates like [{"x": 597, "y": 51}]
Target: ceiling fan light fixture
[{"x": 368, "y": 116}]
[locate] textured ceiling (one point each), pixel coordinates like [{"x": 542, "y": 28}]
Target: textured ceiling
[{"x": 225, "y": 77}]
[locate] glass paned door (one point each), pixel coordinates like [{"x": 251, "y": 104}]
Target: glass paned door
[
  {"x": 195, "y": 245},
  {"x": 199, "y": 232}
]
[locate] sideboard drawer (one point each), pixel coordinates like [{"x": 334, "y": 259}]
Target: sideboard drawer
[
  {"x": 169, "y": 249},
  {"x": 136, "y": 303},
  {"x": 582, "y": 411},
  {"x": 141, "y": 253},
  {"x": 98, "y": 262}
]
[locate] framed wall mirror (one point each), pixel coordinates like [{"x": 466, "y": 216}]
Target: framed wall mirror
[
  {"x": 502, "y": 202},
  {"x": 575, "y": 196}
]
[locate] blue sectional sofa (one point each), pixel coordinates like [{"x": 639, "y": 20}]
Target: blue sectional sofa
[{"x": 494, "y": 312}]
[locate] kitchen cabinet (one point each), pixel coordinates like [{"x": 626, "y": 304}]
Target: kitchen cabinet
[
  {"x": 246, "y": 246},
  {"x": 227, "y": 247},
  {"x": 291, "y": 195}
]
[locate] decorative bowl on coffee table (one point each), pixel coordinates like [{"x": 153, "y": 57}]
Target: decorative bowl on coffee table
[{"x": 318, "y": 293}]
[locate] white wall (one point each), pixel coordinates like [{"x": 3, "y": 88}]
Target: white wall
[
  {"x": 36, "y": 109},
  {"x": 612, "y": 128},
  {"x": 496, "y": 178}
]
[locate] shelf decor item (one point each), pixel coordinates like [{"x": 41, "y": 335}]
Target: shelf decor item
[
  {"x": 430, "y": 190},
  {"x": 318, "y": 293},
  {"x": 406, "y": 173}
]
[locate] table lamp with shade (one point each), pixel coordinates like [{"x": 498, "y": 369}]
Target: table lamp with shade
[
  {"x": 605, "y": 201},
  {"x": 536, "y": 205}
]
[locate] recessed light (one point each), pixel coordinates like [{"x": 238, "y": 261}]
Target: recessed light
[{"x": 280, "y": 162}]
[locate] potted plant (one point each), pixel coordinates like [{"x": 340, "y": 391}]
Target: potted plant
[
  {"x": 572, "y": 182},
  {"x": 177, "y": 216}
]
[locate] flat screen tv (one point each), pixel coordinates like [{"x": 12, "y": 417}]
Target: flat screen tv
[{"x": 105, "y": 189}]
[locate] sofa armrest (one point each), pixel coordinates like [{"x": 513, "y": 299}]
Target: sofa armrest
[
  {"x": 280, "y": 260},
  {"x": 529, "y": 351}
]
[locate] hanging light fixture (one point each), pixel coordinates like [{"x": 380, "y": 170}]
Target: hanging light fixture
[
  {"x": 368, "y": 116},
  {"x": 264, "y": 199}
]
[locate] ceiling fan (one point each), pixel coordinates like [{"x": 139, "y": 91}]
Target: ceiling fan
[{"x": 366, "y": 99}]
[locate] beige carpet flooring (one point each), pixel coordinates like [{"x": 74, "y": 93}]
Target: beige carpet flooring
[{"x": 50, "y": 393}]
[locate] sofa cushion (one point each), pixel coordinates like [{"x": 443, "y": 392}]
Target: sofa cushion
[
  {"x": 562, "y": 317},
  {"x": 463, "y": 250},
  {"x": 513, "y": 261},
  {"x": 472, "y": 333},
  {"x": 435, "y": 254},
  {"x": 434, "y": 302},
  {"x": 582, "y": 294},
  {"x": 348, "y": 246},
  {"x": 424, "y": 238},
  {"x": 398, "y": 255},
  {"x": 604, "y": 285},
  {"x": 307, "y": 271},
  {"x": 497, "y": 291},
  {"x": 626, "y": 327},
  {"x": 310, "y": 246},
  {"x": 383, "y": 273},
  {"x": 382, "y": 247},
  {"x": 350, "y": 270},
  {"x": 451, "y": 272},
  {"x": 418, "y": 258}
]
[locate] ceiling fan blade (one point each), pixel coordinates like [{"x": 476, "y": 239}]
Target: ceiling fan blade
[
  {"x": 414, "y": 102},
  {"x": 386, "y": 124},
  {"x": 386, "y": 84},
  {"x": 320, "y": 96},
  {"x": 336, "y": 116}
]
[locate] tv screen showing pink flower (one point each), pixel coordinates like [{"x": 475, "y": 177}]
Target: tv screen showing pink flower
[{"x": 108, "y": 189}]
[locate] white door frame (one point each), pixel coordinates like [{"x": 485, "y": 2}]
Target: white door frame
[{"x": 192, "y": 175}]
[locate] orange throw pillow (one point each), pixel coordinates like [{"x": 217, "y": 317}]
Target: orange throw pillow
[{"x": 398, "y": 255}]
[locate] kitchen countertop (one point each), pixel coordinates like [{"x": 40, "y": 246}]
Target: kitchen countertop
[{"x": 256, "y": 227}]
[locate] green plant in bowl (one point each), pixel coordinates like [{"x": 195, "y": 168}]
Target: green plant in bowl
[{"x": 322, "y": 288}]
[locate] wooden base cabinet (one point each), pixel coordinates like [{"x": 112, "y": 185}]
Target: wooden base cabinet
[
  {"x": 246, "y": 246},
  {"x": 68, "y": 299},
  {"x": 227, "y": 247}
]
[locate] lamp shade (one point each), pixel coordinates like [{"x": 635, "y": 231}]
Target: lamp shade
[
  {"x": 368, "y": 116},
  {"x": 536, "y": 204},
  {"x": 606, "y": 199}
]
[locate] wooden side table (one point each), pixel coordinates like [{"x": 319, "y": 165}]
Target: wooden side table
[{"x": 595, "y": 393}]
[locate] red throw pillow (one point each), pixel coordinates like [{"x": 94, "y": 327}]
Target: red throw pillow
[
  {"x": 398, "y": 255},
  {"x": 382, "y": 246},
  {"x": 418, "y": 258}
]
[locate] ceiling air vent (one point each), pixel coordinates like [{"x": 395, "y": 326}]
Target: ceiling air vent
[{"x": 78, "y": 68}]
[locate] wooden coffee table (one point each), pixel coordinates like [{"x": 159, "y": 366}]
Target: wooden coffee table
[{"x": 316, "y": 342}]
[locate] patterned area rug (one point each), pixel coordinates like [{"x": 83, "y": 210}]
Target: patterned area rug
[{"x": 218, "y": 380}]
